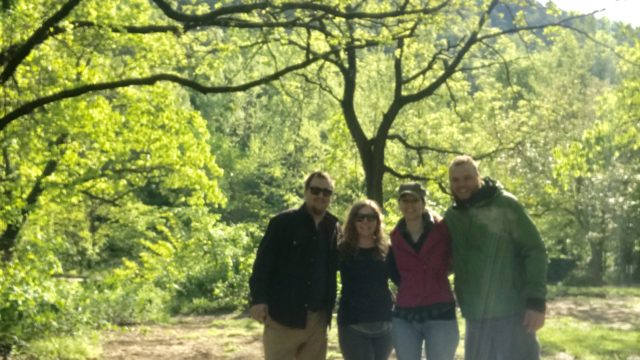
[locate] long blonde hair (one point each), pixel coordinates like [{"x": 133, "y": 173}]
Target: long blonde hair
[{"x": 349, "y": 243}]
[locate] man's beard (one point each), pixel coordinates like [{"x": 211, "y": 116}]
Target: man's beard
[{"x": 316, "y": 211}]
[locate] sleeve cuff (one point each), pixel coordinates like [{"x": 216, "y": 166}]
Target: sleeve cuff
[{"x": 536, "y": 304}]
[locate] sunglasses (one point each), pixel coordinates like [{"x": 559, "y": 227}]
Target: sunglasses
[
  {"x": 318, "y": 190},
  {"x": 368, "y": 217}
]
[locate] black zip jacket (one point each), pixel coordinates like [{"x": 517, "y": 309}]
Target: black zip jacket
[{"x": 285, "y": 264}]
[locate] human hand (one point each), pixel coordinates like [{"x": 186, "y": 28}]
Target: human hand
[
  {"x": 259, "y": 312},
  {"x": 533, "y": 321}
]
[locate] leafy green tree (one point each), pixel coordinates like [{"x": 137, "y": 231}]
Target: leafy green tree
[
  {"x": 598, "y": 174},
  {"x": 577, "y": 220},
  {"x": 122, "y": 25},
  {"x": 429, "y": 54},
  {"x": 93, "y": 200}
]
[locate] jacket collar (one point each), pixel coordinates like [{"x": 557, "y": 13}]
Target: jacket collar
[{"x": 489, "y": 189}]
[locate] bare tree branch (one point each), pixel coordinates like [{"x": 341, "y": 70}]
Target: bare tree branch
[
  {"x": 449, "y": 70},
  {"x": 454, "y": 100},
  {"x": 92, "y": 196},
  {"x": 14, "y": 55},
  {"x": 473, "y": 68},
  {"x": 150, "y": 80},
  {"x": 405, "y": 176},
  {"x": 564, "y": 23},
  {"x": 426, "y": 69},
  {"x": 421, "y": 148},
  {"x": 397, "y": 70},
  {"x": 513, "y": 18},
  {"x": 36, "y": 38},
  {"x": 561, "y": 23},
  {"x": 505, "y": 65},
  {"x": 11, "y": 51},
  {"x": 215, "y": 15},
  {"x": 596, "y": 41},
  {"x": 322, "y": 86}
]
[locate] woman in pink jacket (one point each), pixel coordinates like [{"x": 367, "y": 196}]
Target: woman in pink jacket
[{"x": 419, "y": 260}]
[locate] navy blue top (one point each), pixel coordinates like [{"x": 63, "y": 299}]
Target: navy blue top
[{"x": 365, "y": 295}]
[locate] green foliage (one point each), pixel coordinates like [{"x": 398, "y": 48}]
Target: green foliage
[
  {"x": 217, "y": 269},
  {"x": 77, "y": 347},
  {"x": 127, "y": 296},
  {"x": 134, "y": 178},
  {"x": 35, "y": 305}
]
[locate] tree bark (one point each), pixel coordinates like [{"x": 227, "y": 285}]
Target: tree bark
[{"x": 596, "y": 262}]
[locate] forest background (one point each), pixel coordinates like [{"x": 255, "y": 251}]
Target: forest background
[{"x": 146, "y": 143}]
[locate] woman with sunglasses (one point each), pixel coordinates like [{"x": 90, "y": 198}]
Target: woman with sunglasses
[
  {"x": 419, "y": 261},
  {"x": 364, "y": 315}
]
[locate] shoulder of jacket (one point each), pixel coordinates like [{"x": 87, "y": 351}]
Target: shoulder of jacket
[
  {"x": 451, "y": 211},
  {"x": 507, "y": 199},
  {"x": 440, "y": 230},
  {"x": 395, "y": 235},
  {"x": 394, "y": 231},
  {"x": 285, "y": 215},
  {"x": 332, "y": 218}
]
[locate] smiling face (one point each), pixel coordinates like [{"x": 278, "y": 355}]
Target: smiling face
[
  {"x": 411, "y": 207},
  {"x": 366, "y": 221},
  {"x": 464, "y": 180},
  {"x": 317, "y": 196},
  {"x": 363, "y": 228}
]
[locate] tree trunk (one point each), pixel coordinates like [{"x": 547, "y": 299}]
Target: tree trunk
[
  {"x": 374, "y": 172},
  {"x": 596, "y": 262}
]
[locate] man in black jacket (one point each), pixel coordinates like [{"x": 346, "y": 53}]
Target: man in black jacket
[{"x": 293, "y": 284}]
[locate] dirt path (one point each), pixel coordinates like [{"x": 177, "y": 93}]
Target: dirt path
[
  {"x": 235, "y": 337},
  {"x": 619, "y": 313},
  {"x": 191, "y": 338}
]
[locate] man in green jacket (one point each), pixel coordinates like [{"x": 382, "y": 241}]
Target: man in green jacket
[{"x": 500, "y": 266}]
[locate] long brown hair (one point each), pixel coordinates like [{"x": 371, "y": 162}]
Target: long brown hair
[{"x": 349, "y": 243}]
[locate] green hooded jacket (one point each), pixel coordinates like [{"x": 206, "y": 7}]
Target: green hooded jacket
[{"x": 500, "y": 262}]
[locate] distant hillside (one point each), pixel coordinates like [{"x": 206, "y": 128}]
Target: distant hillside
[{"x": 536, "y": 14}]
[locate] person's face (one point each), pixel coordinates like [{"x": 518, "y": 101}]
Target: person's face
[
  {"x": 463, "y": 181},
  {"x": 366, "y": 221},
  {"x": 318, "y": 195},
  {"x": 410, "y": 206}
]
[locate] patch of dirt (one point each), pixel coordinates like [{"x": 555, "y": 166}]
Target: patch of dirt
[
  {"x": 619, "y": 313},
  {"x": 234, "y": 337},
  {"x": 189, "y": 338}
]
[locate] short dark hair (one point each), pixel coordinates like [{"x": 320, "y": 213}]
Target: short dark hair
[{"x": 317, "y": 174}]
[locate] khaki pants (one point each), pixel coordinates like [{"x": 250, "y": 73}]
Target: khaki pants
[{"x": 285, "y": 343}]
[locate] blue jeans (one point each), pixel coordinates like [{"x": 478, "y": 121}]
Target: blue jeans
[
  {"x": 500, "y": 339},
  {"x": 440, "y": 339}
]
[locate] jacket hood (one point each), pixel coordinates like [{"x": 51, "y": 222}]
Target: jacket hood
[{"x": 489, "y": 189}]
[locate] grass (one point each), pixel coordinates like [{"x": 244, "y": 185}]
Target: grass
[
  {"x": 78, "y": 347},
  {"x": 588, "y": 341},
  {"x": 558, "y": 291},
  {"x": 232, "y": 331}
]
